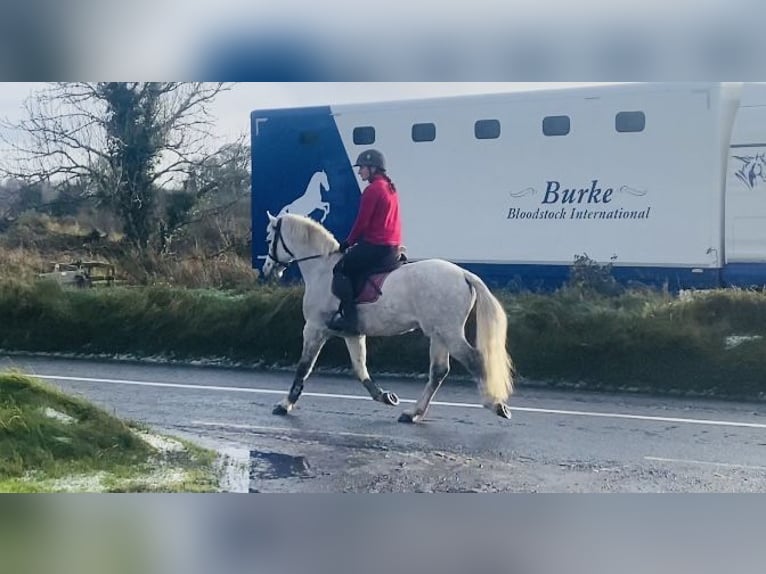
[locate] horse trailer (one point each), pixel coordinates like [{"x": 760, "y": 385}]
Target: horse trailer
[{"x": 665, "y": 180}]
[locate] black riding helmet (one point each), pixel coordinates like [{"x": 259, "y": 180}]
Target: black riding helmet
[{"x": 371, "y": 158}]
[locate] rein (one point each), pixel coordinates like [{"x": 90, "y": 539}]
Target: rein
[{"x": 273, "y": 251}]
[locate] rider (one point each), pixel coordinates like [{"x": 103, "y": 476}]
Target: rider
[{"x": 374, "y": 239}]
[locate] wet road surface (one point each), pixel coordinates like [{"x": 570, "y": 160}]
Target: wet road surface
[{"x": 338, "y": 440}]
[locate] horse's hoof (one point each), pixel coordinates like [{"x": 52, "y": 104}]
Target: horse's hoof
[
  {"x": 406, "y": 418},
  {"x": 388, "y": 398},
  {"x": 502, "y": 410},
  {"x": 280, "y": 410}
]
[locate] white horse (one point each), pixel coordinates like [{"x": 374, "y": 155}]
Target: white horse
[
  {"x": 311, "y": 200},
  {"x": 433, "y": 295}
]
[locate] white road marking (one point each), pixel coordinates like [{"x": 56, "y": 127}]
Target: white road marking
[
  {"x": 712, "y": 422},
  {"x": 705, "y": 463},
  {"x": 679, "y": 420},
  {"x": 210, "y": 388}
]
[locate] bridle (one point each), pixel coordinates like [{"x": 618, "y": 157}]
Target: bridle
[{"x": 279, "y": 238}]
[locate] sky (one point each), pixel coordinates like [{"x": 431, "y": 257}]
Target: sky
[{"x": 232, "y": 109}]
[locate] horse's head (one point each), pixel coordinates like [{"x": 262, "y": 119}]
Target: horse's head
[
  {"x": 277, "y": 255},
  {"x": 323, "y": 181},
  {"x": 293, "y": 238}
]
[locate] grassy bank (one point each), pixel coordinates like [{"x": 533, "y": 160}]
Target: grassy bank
[
  {"x": 704, "y": 343},
  {"x": 51, "y": 442},
  {"x": 708, "y": 343}
]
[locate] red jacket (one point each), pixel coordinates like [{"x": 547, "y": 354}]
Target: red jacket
[{"x": 378, "y": 219}]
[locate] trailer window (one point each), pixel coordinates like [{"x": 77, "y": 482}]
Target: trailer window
[
  {"x": 556, "y": 125},
  {"x": 423, "y": 132},
  {"x": 630, "y": 122},
  {"x": 364, "y": 135},
  {"x": 486, "y": 129}
]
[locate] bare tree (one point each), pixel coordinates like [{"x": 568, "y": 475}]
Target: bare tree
[
  {"x": 125, "y": 140},
  {"x": 213, "y": 194}
]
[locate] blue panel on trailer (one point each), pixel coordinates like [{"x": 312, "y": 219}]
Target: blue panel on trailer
[
  {"x": 546, "y": 278},
  {"x": 300, "y": 165},
  {"x": 672, "y": 278},
  {"x": 744, "y": 275}
]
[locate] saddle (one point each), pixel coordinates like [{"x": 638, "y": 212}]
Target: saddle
[{"x": 368, "y": 286}]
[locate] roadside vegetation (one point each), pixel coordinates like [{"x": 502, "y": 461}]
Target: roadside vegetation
[
  {"x": 595, "y": 334},
  {"x": 52, "y": 442}
]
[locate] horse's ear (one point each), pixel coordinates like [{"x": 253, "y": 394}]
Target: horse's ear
[{"x": 272, "y": 219}]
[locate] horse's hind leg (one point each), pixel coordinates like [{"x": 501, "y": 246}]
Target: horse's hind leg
[
  {"x": 313, "y": 341},
  {"x": 471, "y": 360},
  {"x": 357, "y": 350},
  {"x": 437, "y": 373}
]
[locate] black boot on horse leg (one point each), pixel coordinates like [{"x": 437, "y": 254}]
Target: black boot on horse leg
[
  {"x": 295, "y": 392},
  {"x": 346, "y": 319},
  {"x": 284, "y": 407}
]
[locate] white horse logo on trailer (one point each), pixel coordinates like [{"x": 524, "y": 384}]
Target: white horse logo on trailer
[
  {"x": 311, "y": 200},
  {"x": 752, "y": 172}
]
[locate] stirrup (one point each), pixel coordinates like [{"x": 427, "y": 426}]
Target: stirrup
[{"x": 340, "y": 322}]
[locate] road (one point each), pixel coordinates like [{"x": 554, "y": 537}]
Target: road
[{"x": 338, "y": 440}]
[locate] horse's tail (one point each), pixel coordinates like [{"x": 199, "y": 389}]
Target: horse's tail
[{"x": 491, "y": 333}]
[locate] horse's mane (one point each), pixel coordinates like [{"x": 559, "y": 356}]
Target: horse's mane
[{"x": 309, "y": 232}]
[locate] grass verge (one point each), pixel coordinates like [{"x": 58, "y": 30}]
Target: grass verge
[{"x": 53, "y": 442}]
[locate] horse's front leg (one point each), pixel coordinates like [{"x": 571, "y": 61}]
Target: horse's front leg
[
  {"x": 313, "y": 341},
  {"x": 357, "y": 349}
]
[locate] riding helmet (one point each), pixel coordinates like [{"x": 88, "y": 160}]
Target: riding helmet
[{"x": 371, "y": 158}]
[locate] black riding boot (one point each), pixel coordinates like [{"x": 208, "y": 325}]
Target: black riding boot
[{"x": 346, "y": 319}]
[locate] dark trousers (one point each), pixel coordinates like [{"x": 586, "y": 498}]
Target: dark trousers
[{"x": 358, "y": 260}]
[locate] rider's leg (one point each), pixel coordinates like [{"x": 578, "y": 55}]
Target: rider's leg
[
  {"x": 343, "y": 290},
  {"x": 356, "y": 261}
]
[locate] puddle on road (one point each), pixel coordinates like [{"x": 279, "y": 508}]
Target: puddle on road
[{"x": 277, "y": 465}]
